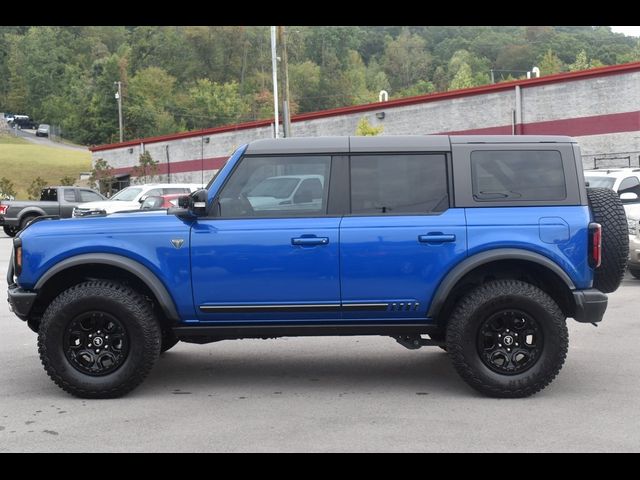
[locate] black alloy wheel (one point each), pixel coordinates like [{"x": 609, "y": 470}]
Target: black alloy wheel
[
  {"x": 96, "y": 343},
  {"x": 510, "y": 342}
]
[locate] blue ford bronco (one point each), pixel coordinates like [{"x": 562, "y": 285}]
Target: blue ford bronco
[{"x": 481, "y": 245}]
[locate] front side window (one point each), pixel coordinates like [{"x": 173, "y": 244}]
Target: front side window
[
  {"x": 517, "y": 175},
  {"x": 129, "y": 194},
  {"x": 277, "y": 186},
  {"x": 398, "y": 184},
  {"x": 89, "y": 196}
]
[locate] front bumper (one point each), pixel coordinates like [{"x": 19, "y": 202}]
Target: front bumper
[
  {"x": 20, "y": 301},
  {"x": 590, "y": 305},
  {"x": 634, "y": 251}
]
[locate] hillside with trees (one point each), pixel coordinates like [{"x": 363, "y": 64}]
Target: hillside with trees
[{"x": 183, "y": 78}]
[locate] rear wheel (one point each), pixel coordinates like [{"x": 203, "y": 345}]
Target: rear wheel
[
  {"x": 9, "y": 230},
  {"x": 507, "y": 338},
  {"x": 99, "y": 339}
]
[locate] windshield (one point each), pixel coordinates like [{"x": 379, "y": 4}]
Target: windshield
[
  {"x": 275, "y": 187},
  {"x": 602, "y": 182},
  {"x": 129, "y": 194}
]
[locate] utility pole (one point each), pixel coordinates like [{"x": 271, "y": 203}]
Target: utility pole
[
  {"x": 286, "y": 113},
  {"x": 274, "y": 66},
  {"x": 119, "y": 99}
]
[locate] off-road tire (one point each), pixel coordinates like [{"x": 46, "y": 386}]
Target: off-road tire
[
  {"x": 474, "y": 308},
  {"x": 10, "y": 231},
  {"x": 608, "y": 211},
  {"x": 122, "y": 302},
  {"x": 635, "y": 272}
]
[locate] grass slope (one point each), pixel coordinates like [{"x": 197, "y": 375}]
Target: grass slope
[{"x": 21, "y": 162}]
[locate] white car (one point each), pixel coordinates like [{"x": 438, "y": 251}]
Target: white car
[
  {"x": 130, "y": 198},
  {"x": 625, "y": 182},
  {"x": 620, "y": 180},
  {"x": 289, "y": 192}
]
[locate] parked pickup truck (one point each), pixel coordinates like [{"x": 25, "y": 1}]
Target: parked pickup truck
[{"x": 15, "y": 215}]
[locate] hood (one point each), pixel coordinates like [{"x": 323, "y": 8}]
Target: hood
[{"x": 110, "y": 206}]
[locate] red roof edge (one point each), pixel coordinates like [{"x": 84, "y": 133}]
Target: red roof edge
[{"x": 431, "y": 97}]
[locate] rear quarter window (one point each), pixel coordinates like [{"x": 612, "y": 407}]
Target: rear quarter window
[{"x": 517, "y": 175}]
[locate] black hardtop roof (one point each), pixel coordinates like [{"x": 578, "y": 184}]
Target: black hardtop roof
[{"x": 388, "y": 143}]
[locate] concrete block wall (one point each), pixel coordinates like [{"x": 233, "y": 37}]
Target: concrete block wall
[{"x": 601, "y": 111}]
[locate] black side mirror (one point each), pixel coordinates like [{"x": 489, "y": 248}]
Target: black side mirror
[{"x": 194, "y": 205}]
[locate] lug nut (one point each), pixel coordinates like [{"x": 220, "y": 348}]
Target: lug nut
[
  {"x": 499, "y": 344},
  {"x": 516, "y": 344}
]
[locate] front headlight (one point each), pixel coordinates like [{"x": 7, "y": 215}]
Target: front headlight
[{"x": 632, "y": 224}]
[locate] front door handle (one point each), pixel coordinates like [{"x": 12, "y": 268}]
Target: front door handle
[
  {"x": 437, "y": 238},
  {"x": 309, "y": 241}
]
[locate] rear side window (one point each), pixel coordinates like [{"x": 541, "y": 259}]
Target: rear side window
[
  {"x": 517, "y": 175},
  {"x": 69, "y": 195},
  {"x": 49, "y": 195},
  {"x": 398, "y": 184}
]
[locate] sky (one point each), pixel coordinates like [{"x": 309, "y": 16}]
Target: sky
[{"x": 633, "y": 31}]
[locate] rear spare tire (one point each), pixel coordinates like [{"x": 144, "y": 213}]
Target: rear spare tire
[{"x": 608, "y": 211}]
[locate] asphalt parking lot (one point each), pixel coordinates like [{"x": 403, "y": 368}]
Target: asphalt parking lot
[{"x": 329, "y": 394}]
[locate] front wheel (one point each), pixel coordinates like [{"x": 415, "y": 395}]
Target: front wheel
[
  {"x": 99, "y": 339},
  {"x": 635, "y": 272},
  {"x": 507, "y": 338}
]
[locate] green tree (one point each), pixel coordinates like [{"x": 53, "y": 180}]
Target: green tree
[
  {"x": 102, "y": 176},
  {"x": 550, "y": 63},
  {"x": 581, "y": 62},
  {"x": 146, "y": 169},
  {"x": 365, "y": 129},
  {"x": 7, "y": 188},
  {"x": 304, "y": 82},
  {"x": 33, "y": 191},
  {"x": 406, "y": 59},
  {"x": 208, "y": 104},
  {"x": 67, "y": 181},
  {"x": 463, "y": 78}
]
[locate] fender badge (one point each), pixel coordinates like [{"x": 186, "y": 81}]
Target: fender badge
[{"x": 177, "y": 242}]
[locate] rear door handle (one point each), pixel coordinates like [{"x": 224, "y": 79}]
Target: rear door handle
[
  {"x": 437, "y": 238},
  {"x": 309, "y": 241}
]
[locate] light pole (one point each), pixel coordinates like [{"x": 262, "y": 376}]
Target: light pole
[
  {"x": 274, "y": 66},
  {"x": 119, "y": 99}
]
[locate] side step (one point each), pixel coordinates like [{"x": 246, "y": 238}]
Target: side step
[{"x": 212, "y": 333}]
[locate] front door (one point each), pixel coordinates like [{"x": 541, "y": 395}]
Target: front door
[
  {"x": 401, "y": 237},
  {"x": 270, "y": 253}
]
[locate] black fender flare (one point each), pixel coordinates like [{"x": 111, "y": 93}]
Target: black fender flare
[
  {"x": 145, "y": 275},
  {"x": 479, "y": 259}
]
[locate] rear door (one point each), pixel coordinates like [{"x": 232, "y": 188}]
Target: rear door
[{"x": 401, "y": 237}]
